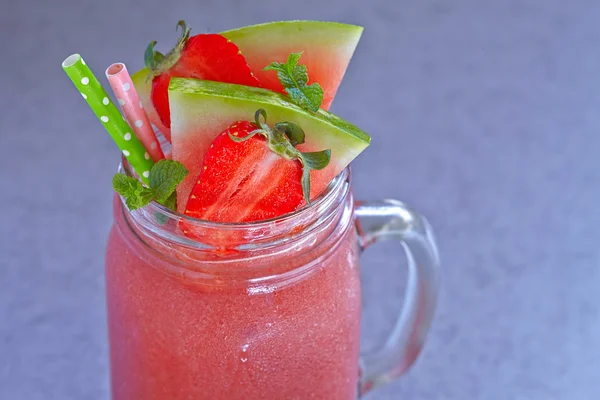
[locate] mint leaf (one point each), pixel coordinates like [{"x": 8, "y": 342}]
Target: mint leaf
[
  {"x": 126, "y": 185},
  {"x": 299, "y": 73},
  {"x": 171, "y": 201},
  {"x": 308, "y": 97},
  {"x": 144, "y": 198},
  {"x": 294, "y": 78},
  {"x": 135, "y": 194},
  {"x": 164, "y": 177}
]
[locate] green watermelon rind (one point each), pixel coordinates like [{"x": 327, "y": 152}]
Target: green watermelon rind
[{"x": 328, "y": 32}]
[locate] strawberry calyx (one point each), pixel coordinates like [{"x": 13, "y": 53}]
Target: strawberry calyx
[
  {"x": 282, "y": 139},
  {"x": 158, "y": 63}
]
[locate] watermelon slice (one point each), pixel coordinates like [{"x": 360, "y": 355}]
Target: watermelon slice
[
  {"x": 326, "y": 48},
  {"x": 143, "y": 86},
  {"x": 200, "y": 110}
]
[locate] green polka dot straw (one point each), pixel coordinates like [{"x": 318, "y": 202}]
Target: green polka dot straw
[{"x": 96, "y": 97}]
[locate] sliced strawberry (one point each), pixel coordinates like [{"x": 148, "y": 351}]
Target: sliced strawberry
[
  {"x": 245, "y": 181},
  {"x": 206, "y": 56},
  {"x": 252, "y": 172}
]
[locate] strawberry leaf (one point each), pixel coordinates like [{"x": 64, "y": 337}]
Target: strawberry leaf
[
  {"x": 283, "y": 139},
  {"x": 294, "y": 133},
  {"x": 243, "y": 139},
  {"x": 257, "y": 120},
  {"x": 294, "y": 79},
  {"x": 156, "y": 62},
  {"x": 306, "y": 183},
  {"x": 317, "y": 160},
  {"x": 152, "y": 58},
  {"x": 312, "y": 161}
]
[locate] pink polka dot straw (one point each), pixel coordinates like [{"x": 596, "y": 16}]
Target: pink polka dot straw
[{"x": 130, "y": 103}]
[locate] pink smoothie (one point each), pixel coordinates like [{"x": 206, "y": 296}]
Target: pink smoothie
[{"x": 177, "y": 338}]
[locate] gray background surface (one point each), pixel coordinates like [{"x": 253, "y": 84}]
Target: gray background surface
[{"x": 485, "y": 115}]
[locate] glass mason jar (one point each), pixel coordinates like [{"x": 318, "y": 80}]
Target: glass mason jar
[{"x": 265, "y": 310}]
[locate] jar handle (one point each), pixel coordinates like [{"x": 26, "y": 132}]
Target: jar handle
[{"x": 392, "y": 220}]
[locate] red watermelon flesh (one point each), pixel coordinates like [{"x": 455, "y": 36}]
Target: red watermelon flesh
[{"x": 326, "y": 48}]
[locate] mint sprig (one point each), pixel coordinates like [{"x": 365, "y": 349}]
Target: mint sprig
[
  {"x": 294, "y": 79},
  {"x": 164, "y": 177}
]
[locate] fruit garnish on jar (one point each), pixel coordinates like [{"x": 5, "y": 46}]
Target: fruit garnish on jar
[{"x": 250, "y": 141}]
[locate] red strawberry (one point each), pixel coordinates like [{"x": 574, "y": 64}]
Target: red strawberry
[
  {"x": 206, "y": 56},
  {"x": 252, "y": 172},
  {"x": 245, "y": 181}
]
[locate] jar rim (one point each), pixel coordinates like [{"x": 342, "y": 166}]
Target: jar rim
[
  {"x": 330, "y": 191},
  {"x": 158, "y": 221}
]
